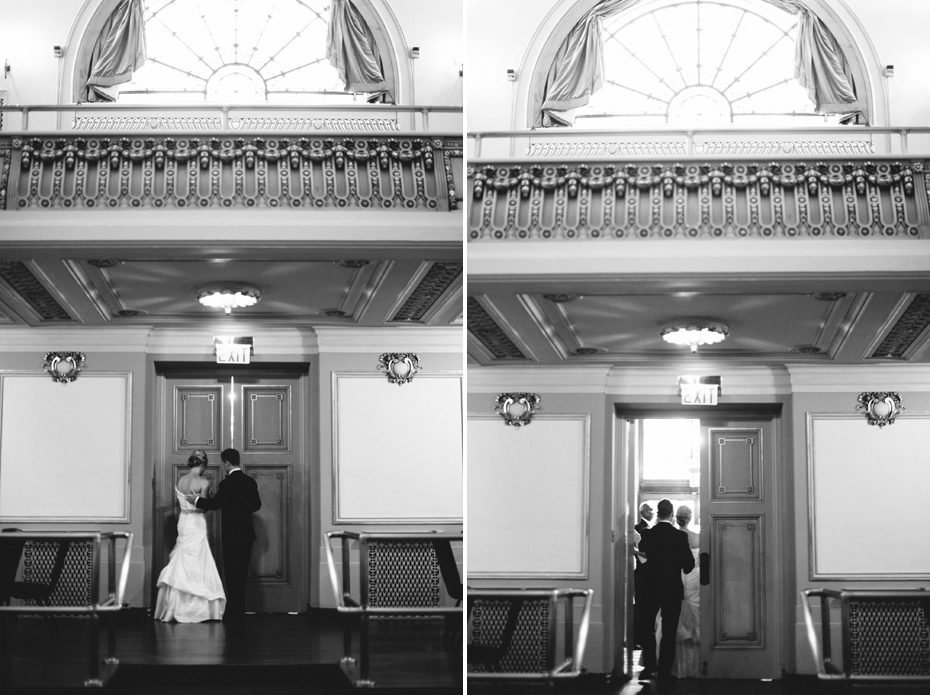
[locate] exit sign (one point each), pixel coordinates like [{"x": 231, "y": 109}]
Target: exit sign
[
  {"x": 699, "y": 390},
  {"x": 232, "y": 350}
]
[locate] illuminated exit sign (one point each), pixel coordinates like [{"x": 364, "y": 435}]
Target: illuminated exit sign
[
  {"x": 699, "y": 390},
  {"x": 232, "y": 350}
]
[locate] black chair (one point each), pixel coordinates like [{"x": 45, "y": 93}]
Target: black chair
[{"x": 453, "y": 581}]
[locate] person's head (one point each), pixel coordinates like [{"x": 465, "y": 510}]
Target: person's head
[
  {"x": 197, "y": 459},
  {"x": 664, "y": 509},
  {"x": 683, "y": 515},
  {"x": 230, "y": 458},
  {"x": 645, "y": 511}
]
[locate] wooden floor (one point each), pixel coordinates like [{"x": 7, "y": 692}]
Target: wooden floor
[{"x": 266, "y": 653}]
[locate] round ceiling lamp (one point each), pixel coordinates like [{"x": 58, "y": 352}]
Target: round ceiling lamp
[
  {"x": 228, "y": 296},
  {"x": 695, "y": 333}
]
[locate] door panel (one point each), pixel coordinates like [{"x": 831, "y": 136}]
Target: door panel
[
  {"x": 738, "y": 523},
  {"x": 255, "y": 412}
]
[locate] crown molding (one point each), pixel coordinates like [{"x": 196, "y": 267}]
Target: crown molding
[
  {"x": 96, "y": 339},
  {"x": 390, "y": 339},
  {"x": 735, "y": 381},
  {"x": 290, "y": 342},
  {"x": 537, "y": 379},
  {"x": 878, "y": 377}
]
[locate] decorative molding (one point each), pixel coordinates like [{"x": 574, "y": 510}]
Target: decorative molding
[
  {"x": 485, "y": 329},
  {"x": 908, "y": 328},
  {"x": 156, "y": 122},
  {"x": 18, "y": 276},
  {"x": 64, "y": 367},
  {"x": 708, "y": 148},
  {"x": 528, "y": 402},
  {"x": 350, "y": 339},
  {"x": 52, "y": 171},
  {"x": 399, "y": 367},
  {"x": 83, "y": 338},
  {"x": 437, "y": 280},
  {"x": 749, "y": 381},
  {"x": 879, "y": 407},
  {"x": 524, "y": 201},
  {"x": 854, "y": 378}
]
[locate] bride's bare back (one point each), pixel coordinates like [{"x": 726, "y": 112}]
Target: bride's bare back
[{"x": 193, "y": 484}]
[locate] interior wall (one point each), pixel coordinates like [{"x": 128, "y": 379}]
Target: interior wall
[{"x": 817, "y": 396}]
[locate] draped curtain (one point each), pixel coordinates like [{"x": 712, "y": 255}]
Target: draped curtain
[
  {"x": 119, "y": 50},
  {"x": 578, "y": 67},
  {"x": 352, "y": 50}
]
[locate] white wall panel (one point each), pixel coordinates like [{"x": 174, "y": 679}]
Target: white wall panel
[
  {"x": 868, "y": 487},
  {"x": 528, "y": 501},
  {"x": 64, "y": 448},
  {"x": 397, "y": 449}
]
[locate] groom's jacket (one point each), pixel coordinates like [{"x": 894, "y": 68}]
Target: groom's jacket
[
  {"x": 667, "y": 556},
  {"x": 237, "y": 497}
]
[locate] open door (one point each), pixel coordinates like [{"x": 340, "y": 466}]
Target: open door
[{"x": 739, "y": 626}]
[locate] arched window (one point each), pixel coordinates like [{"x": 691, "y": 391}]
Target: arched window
[
  {"x": 704, "y": 62},
  {"x": 698, "y": 63},
  {"x": 242, "y": 51}
]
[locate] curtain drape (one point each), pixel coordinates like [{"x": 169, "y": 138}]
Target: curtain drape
[
  {"x": 352, "y": 50},
  {"x": 578, "y": 67},
  {"x": 119, "y": 50}
]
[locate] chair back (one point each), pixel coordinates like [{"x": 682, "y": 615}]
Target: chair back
[{"x": 64, "y": 567}]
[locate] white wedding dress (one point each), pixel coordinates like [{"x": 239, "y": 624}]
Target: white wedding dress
[
  {"x": 189, "y": 587},
  {"x": 688, "y": 640}
]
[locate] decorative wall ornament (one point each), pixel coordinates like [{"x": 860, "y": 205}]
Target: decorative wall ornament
[
  {"x": 64, "y": 366},
  {"x": 400, "y": 367},
  {"x": 709, "y": 148},
  {"x": 207, "y": 123},
  {"x": 300, "y": 171},
  {"x": 522, "y": 200},
  {"x": 880, "y": 408},
  {"x": 527, "y": 405}
]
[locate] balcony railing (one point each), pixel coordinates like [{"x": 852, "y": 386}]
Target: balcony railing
[
  {"x": 690, "y": 183},
  {"x": 218, "y": 156}
]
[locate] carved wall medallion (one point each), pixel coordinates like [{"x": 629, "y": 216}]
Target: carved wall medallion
[
  {"x": 64, "y": 366},
  {"x": 400, "y": 367},
  {"x": 880, "y": 408},
  {"x": 517, "y": 409}
]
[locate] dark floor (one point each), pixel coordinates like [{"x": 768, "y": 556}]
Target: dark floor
[{"x": 266, "y": 653}]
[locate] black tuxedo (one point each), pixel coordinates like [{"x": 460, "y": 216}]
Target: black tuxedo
[
  {"x": 667, "y": 556},
  {"x": 640, "y": 526},
  {"x": 238, "y": 498}
]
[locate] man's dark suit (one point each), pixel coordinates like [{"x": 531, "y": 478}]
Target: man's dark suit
[
  {"x": 667, "y": 556},
  {"x": 637, "y": 589},
  {"x": 237, "y": 497}
]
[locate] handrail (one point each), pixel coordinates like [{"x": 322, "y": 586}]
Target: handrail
[
  {"x": 577, "y": 647},
  {"x": 115, "y": 595},
  {"x": 225, "y": 110},
  {"x": 478, "y": 138}
]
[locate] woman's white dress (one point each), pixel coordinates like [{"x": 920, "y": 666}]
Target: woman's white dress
[
  {"x": 688, "y": 641},
  {"x": 189, "y": 587}
]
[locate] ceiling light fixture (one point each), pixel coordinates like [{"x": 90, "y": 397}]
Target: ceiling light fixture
[
  {"x": 694, "y": 333},
  {"x": 228, "y": 296}
]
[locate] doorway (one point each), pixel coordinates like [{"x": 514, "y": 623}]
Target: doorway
[
  {"x": 260, "y": 411},
  {"x": 720, "y": 465}
]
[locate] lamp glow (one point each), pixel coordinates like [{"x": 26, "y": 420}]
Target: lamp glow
[
  {"x": 695, "y": 334},
  {"x": 229, "y": 298}
]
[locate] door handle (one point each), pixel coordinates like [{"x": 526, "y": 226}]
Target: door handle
[{"x": 705, "y": 568}]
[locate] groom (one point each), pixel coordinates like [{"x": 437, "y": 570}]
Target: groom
[{"x": 238, "y": 498}]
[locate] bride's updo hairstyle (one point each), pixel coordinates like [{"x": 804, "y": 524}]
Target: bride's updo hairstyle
[
  {"x": 197, "y": 458},
  {"x": 683, "y": 515}
]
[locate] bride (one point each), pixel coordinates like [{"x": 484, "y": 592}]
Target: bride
[
  {"x": 189, "y": 587},
  {"x": 688, "y": 642}
]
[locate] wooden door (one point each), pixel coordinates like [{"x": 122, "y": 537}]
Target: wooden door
[
  {"x": 259, "y": 413},
  {"x": 739, "y": 627}
]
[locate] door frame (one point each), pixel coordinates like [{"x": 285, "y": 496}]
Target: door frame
[
  {"x": 167, "y": 369},
  {"x": 624, "y": 514}
]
